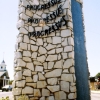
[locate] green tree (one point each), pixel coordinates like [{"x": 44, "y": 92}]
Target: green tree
[
  {"x": 10, "y": 82},
  {"x": 98, "y": 75}
]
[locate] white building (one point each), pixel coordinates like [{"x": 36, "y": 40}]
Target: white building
[{"x": 4, "y": 76}]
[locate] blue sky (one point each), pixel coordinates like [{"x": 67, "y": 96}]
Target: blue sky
[{"x": 8, "y": 33}]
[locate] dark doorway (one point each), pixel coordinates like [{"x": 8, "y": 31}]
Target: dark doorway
[{"x": 1, "y": 83}]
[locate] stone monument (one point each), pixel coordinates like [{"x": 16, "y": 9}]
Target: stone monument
[{"x": 44, "y": 57}]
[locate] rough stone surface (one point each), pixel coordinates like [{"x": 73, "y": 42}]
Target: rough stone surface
[
  {"x": 31, "y": 84},
  {"x": 71, "y": 55},
  {"x": 52, "y": 51},
  {"x": 64, "y": 55},
  {"x": 23, "y": 30},
  {"x": 70, "y": 41},
  {"x": 52, "y": 81},
  {"x": 40, "y": 41},
  {"x": 18, "y": 55},
  {"x": 61, "y": 95},
  {"x": 59, "y": 50},
  {"x": 37, "y": 93},
  {"x": 68, "y": 63},
  {"x": 39, "y": 68},
  {"x": 65, "y": 86},
  {"x": 50, "y": 46},
  {"x": 73, "y": 88},
  {"x": 20, "y": 23},
  {"x": 30, "y": 66},
  {"x": 41, "y": 84},
  {"x": 58, "y": 64},
  {"x": 31, "y": 29},
  {"x": 26, "y": 53},
  {"x": 51, "y": 58},
  {"x": 45, "y": 92},
  {"x": 34, "y": 55},
  {"x": 23, "y": 46},
  {"x": 42, "y": 98},
  {"x": 34, "y": 48},
  {"x": 72, "y": 96},
  {"x": 42, "y": 50},
  {"x": 53, "y": 88},
  {"x": 13, "y": 84},
  {"x": 50, "y": 98},
  {"x": 67, "y": 77},
  {"x": 56, "y": 40},
  {"x": 26, "y": 39},
  {"x": 27, "y": 90},
  {"x": 20, "y": 83},
  {"x": 29, "y": 79},
  {"x": 72, "y": 70},
  {"x": 27, "y": 59},
  {"x": 41, "y": 58},
  {"x": 18, "y": 76},
  {"x": 16, "y": 91},
  {"x": 66, "y": 33},
  {"x": 54, "y": 73},
  {"x": 20, "y": 62},
  {"x": 64, "y": 43},
  {"x": 44, "y": 64},
  {"x": 68, "y": 49},
  {"x": 50, "y": 65},
  {"x": 35, "y": 78},
  {"x": 27, "y": 72},
  {"x": 41, "y": 77}
]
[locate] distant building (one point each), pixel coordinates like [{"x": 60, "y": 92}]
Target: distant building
[{"x": 4, "y": 76}]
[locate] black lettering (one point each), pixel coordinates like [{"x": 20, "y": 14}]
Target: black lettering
[
  {"x": 53, "y": 29},
  {"x": 42, "y": 7},
  {"x": 34, "y": 7},
  {"x": 58, "y": 24},
  {"x": 50, "y": 30},
  {"x": 46, "y": 32},
  {"x": 52, "y": 2},
  {"x": 55, "y": 2},
  {"x": 60, "y": 10},
  {"x": 29, "y": 20},
  {"x": 58, "y": 1},
  {"x": 31, "y": 7},
  {"x": 28, "y": 7},
  {"x": 33, "y": 20},
  {"x": 38, "y": 33},
  {"x": 51, "y": 15},
  {"x": 29, "y": 34},
  {"x": 63, "y": 19},
  {"x": 47, "y": 18},
  {"x": 45, "y": 6},
  {"x": 36, "y": 21},
  {"x": 33, "y": 34},
  {"x": 54, "y": 15},
  {"x": 48, "y": 5},
  {"x": 37, "y": 7},
  {"x": 42, "y": 33}
]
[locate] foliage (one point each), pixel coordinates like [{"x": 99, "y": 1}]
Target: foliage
[
  {"x": 23, "y": 97},
  {"x": 7, "y": 98},
  {"x": 98, "y": 75},
  {"x": 10, "y": 82}
]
